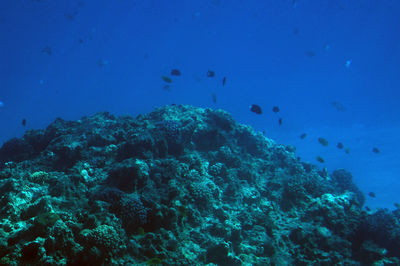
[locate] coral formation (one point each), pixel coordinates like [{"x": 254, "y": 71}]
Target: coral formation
[{"x": 179, "y": 186}]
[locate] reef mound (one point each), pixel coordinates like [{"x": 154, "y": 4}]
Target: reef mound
[{"x": 179, "y": 186}]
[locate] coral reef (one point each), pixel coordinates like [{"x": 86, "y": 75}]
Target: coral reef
[{"x": 179, "y": 186}]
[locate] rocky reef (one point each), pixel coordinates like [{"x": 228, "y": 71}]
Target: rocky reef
[{"x": 179, "y": 186}]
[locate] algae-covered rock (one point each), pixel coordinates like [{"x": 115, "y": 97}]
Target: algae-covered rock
[{"x": 46, "y": 219}]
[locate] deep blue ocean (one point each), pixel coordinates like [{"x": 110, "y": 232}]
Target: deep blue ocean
[{"x": 332, "y": 68}]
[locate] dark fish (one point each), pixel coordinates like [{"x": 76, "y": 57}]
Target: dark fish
[
  {"x": 275, "y": 109},
  {"x": 166, "y": 79},
  {"x": 309, "y": 53},
  {"x": 347, "y": 150},
  {"x": 47, "y": 50},
  {"x": 223, "y": 81},
  {"x": 397, "y": 205},
  {"x": 280, "y": 121},
  {"x": 367, "y": 208},
  {"x": 71, "y": 15},
  {"x": 323, "y": 141},
  {"x": 175, "y": 72},
  {"x": 371, "y": 194},
  {"x": 214, "y": 98},
  {"x": 80, "y": 41},
  {"x": 102, "y": 62},
  {"x": 24, "y": 122},
  {"x": 256, "y": 109},
  {"x": 210, "y": 74},
  {"x": 340, "y": 145},
  {"x": 375, "y": 150},
  {"x": 320, "y": 159},
  {"x": 167, "y": 87},
  {"x": 338, "y": 106},
  {"x": 303, "y": 136}
]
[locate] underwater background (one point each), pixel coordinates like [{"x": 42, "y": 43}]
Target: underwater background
[{"x": 332, "y": 67}]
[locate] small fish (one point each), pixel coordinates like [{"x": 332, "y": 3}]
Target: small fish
[
  {"x": 275, "y": 109},
  {"x": 303, "y": 136},
  {"x": 338, "y": 106},
  {"x": 47, "y": 50},
  {"x": 340, "y": 145},
  {"x": 309, "y": 53},
  {"x": 102, "y": 62},
  {"x": 280, "y": 121},
  {"x": 167, "y": 87},
  {"x": 375, "y": 150},
  {"x": 70, "y": 16},
  {"x": 371, "y": 194},
  {"x": 223, "y": 81},
  {"x": 256, "y": 109},
  {"x": 166, "y": 79},
  {"x": 347, "y": 150},
  {"x": 368, "y": 209},
  {"x": 214, "y": 98},
  {"x": 397, "y": 205},
  {"x": 175, "y": 72},
  {"x": 210, "y": 74},
  {"x": 320, "y": 159},
  {"x": 323, "y": 141},
  {"x": 24, "y": 122}
]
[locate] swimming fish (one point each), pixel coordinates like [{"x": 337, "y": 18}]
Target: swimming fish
[
  {"x": 102, "y": 62},
  {"x": 375, "y": 150},
  {"x": 166, "y": 79},
  {"x": 320, "y": 159},
  {"x": 323, "y": 141},
  {"x": 280, "y": 121},
  {"x": 210, "y": 74},
  {"x": 167, "y": 87},
  {"x": 275, "y": 109},
  {"x": 175, "y": 72},
  {"x": 24, "y": 122},
  {"x": 214, "y": 98},
  {"x": 302, "y": 136},
  {"x": 309, "y": 53},
  {"x": 340, "y": 145},
  {"x": 338, "y": 106},
  {"x": 256, "y": 109},
  {"x": 371, "y": 194},
  {"x": 47, "y": 50},
  {"x": 347, "y": 150},
  {"x": 223, "y": 81}
]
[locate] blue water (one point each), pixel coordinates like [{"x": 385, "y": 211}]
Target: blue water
[{"x": 73, "y": 58}]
